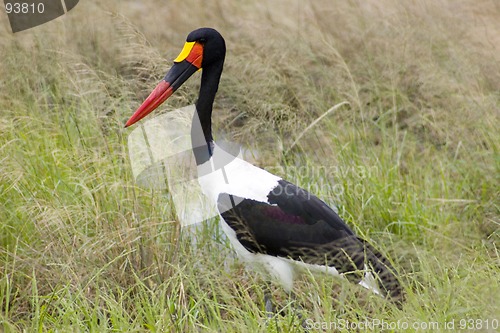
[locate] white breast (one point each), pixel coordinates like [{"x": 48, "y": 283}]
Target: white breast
[{"x": 224, "y": 173}]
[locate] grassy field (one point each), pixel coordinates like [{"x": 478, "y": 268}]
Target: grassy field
[{"x": 412, "y": 162}]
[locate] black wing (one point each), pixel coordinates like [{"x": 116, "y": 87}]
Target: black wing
[{"x": 296, "y": 224}]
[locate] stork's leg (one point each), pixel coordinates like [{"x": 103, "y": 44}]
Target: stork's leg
[
  {"x": 272, "y": 319},
  {"x": 298, "y": 310},
  {"x": 268, "y": 299},
  {"x": 295, "y": 309}
]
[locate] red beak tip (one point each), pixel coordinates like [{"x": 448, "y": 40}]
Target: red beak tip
[{"x": 162, "y": 91}]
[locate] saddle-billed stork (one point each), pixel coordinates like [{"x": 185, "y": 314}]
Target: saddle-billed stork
[{"x": 267, "y": 219}]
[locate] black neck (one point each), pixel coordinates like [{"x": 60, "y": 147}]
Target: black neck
[{"x": 203, "y": 145}]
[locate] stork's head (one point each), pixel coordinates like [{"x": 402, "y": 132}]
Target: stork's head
[{"x": 204, "y": 47}]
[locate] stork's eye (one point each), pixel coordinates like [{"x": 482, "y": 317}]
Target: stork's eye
[{"x": 202, "y": 40}]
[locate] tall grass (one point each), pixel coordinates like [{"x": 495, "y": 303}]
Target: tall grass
[{"x": 412, "y": 162}]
